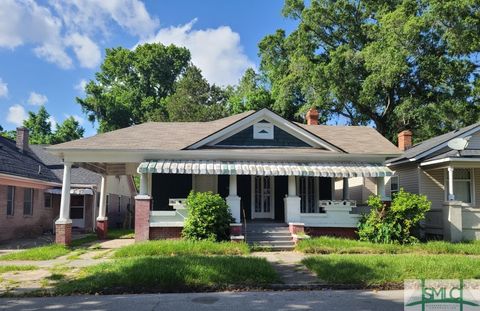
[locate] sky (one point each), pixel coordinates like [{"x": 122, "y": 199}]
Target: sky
[{"x": 49, "y": 49}]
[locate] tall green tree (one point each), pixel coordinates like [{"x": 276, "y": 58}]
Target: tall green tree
[
  {"x": 250, "y": 94},
  {"x": 195, "y": 99},
  {"x": 69, "y": 130},
  {"x": 40, "y": 128},
  {"x": 396, "y": 64},
  {"x": 132, "y": 85}
]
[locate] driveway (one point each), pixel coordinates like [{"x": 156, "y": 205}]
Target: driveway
[{"x": 296, "y": 300}]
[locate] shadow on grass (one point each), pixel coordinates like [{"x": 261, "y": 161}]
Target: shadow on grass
[{"x": 171, "y": 274}]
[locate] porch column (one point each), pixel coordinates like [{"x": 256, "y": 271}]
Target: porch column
[
  {"x": 381, "y": 188},
  {"x": 292, "y": 202},
  {"x": 142, "y": 211},
  {"x": 63, "y": 225},
  {"x": 233, "y": 200},
  {"x": 345, "y": 189},
  {"x": 102, "y": 219},
  {"x": 451, "y": 195},
  {"x": 452, "y": 221}
]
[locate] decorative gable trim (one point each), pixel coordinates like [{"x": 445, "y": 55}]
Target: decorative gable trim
[{"x": 276, "y": 120}]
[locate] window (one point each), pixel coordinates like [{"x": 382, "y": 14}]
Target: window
[
  {"x": 394, "y": 185},
  {"x": 47, "y": 198},
  {"x": 462, "y": 185},
  {"x": 10, "y": 200},
  {"x": 28, "y": 201},
  {"x": 307, "y": 189},
  {"x": 77, "y": 206}
]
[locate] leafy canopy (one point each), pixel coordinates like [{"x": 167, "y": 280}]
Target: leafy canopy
[
  {"x": 396, "y": 64},
  {"x": 132, "y": 85}
]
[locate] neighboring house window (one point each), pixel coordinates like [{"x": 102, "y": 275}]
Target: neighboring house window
[
  {"x": 28, "y": 201},
  {"x": 307, "y": 189},
  {"x": 462, "y": 185},
  {"x": 10, "y": 200},
  {"x": 394, "y": 185},
  {"x": 48, "y": 200}
]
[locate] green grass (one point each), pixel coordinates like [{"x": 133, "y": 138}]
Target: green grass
[
  {"x": 47, "y": 252},
  {"x": 11, "y": 268},
  {"x": 170, "y": 274},
  {"x": 390, "y": 270},
  {"x": 329, "y": 245},
  {"x": 121, "y": 234},
  {"x": 181, "y": 247},
  {"x": 87, "y": 239}
]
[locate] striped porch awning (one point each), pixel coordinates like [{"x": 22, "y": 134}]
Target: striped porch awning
[{"x": 324, "y": 169}]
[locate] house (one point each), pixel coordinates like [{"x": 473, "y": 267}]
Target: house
[
  {"x": 30, "y": 188},
  {"x": 446, "y": 169},
  {"x": 266, "y": 167}
]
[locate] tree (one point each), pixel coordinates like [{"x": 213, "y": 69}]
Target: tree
[
  {"x": 195, "y": 99},
  {"x": 69, "y": 130},
  {"x": 250, "y": 94},
  {"x": 131, "y": 86},
  {"x": 40, "y": 128},
  {"x": 396, "y": 64}
]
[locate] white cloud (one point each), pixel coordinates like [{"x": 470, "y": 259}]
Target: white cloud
[
  {"x": 93, "y": 15},
  {"x": 53, "y": 122},
  {"x": 3, "y": 88},
  {"x": 54, "y": 53},
  {"x": 80, "y": 86},
  {"x": 87, "y": 52},
  {"x": 37, "y": 99},
  {"x": 16, "y": 114},
  {"x": 77, "y": 118},
  {"x": 216, "y": 51}
]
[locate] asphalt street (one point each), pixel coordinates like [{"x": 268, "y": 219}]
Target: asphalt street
[{"x": 270, "y": 300}]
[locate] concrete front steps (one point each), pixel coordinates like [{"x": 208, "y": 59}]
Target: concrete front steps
[{"x": 270, "y": 236}]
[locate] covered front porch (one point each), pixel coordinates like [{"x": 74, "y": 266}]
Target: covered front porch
[{"x": 299, "y": 194}]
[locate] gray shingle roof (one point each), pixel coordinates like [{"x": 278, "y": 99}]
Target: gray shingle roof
[
  {"x": 431, "y": 143},
  {"x": 23, "y": 164},
  {"x": 79, "y": 175}
]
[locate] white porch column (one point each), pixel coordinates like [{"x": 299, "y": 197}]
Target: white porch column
[
  {"x": 143, "y": 184},
  {"x": 292, "y": 202},
  {"x": 102, "y": 207},
  {"x": 381, "y": 188},
  {"x": 451, "y": 195},
  {"x": 64, "y": 217},
  {"x": 233, "y": 200},
  {"x": 345, "y": 189}
]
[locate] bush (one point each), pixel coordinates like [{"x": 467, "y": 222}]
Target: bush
[
  {"x": 208, "y": 217},
  {"x": 393, "y": 224}
]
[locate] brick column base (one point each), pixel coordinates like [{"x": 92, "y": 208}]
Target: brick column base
[
  {"x": 296, "y": 228},
  {"x": 236, "y": 234},
  {"x": 142, "y": 217},
  {"x": 63, "y": 234},
  {"x": 102, "y": 229}
]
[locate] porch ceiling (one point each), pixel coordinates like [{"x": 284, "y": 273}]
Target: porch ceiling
[{"x": 334, "y": 169}]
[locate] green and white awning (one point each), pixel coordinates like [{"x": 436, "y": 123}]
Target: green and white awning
[{"x": 323, "y": 169}]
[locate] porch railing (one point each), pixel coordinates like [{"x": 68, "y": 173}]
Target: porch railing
[
  {"x": 175, "y": 218},
  {"x": 334, "y": 214}
]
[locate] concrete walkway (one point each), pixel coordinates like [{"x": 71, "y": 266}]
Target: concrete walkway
[
  {"x": 288, "y": 266},
  {"x": 232, "y": 301}
]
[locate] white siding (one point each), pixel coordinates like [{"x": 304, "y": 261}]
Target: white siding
[
  {"x": 408, "y": 177},
  {"x": 433, "y": 187}
]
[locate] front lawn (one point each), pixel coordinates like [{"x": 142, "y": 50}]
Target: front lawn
[
  {"x": 170, "y": 274},
  {"x": 181, "y": 247},
  {"x": 12, "y": 268},
  {"x": 390, "y": 270},
  {"x": 47, "y": 252},
  {"x": 121, "y": 234},
  {"x": 329, "y": 245}
]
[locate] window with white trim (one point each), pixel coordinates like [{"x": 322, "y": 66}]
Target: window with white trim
[
  {"x": 10, "y": 200},
  {"x": 394, "y": 185},
  {"x": 462, "y": 184},
  {"x": 28, "y": 201}
]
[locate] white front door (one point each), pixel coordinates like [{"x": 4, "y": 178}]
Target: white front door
[{"x": 263, "y": 197}]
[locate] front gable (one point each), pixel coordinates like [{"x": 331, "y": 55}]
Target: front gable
[{"x": 264, "y": 129}]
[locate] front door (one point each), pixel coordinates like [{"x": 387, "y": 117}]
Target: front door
[
  {"x": 77, "y": 210},
  {"x": 263, "y": 197}
]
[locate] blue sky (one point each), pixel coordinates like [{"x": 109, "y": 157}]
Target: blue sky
[{"x": 49, "y": 48}]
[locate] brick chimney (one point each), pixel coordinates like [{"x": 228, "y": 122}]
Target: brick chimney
[
  {"x": 405, "y": 140},
  {"x": 22, "y": 138},
  {"x": 312, "y": 116}
]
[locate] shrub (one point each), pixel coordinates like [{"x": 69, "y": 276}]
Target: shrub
[
  {"x": 393, "y": 224},
  {"x": 208, "y": 217}
]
